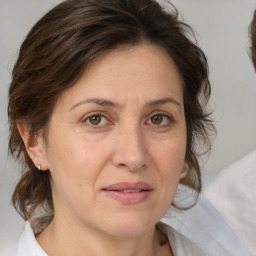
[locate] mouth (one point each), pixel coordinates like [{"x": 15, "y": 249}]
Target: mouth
[
  {"x": 129, "y": 193},
  {"x": 131, "y": 190}
]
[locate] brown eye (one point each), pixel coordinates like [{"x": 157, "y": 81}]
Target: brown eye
[
  {"x": 160, "y": 120},
  {"x": 157, "y": 119},
  {"x": 95, "y": 120}
]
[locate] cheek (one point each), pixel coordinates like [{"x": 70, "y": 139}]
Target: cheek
[
  {"x": 170, "y": 160},
  {"x": 72, "y": 176},
  {"x": 75, "y": 163},
  {"x": 171, "y": 154}
]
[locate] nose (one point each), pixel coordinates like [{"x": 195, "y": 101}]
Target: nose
[{"x": 130, "y": 150}]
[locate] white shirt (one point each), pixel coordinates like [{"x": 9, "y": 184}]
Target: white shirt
[
  {"x": 233, "y": 193},
  {"x": 204, "y": 225}
]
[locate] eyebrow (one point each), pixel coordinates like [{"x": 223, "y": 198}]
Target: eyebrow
[
  {"x": 162, "y": 102},
  {"x": 98, "y": 101},
  {"x": 108, "y": 103}
]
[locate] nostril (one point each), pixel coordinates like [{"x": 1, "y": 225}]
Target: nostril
[{"x": 121, "y": 165}]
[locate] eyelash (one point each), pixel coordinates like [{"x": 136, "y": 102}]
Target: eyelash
[
  {"x": 169, "y": 118},
  {"x": 149, "y": 119},
  {"x": 87, "y": 118}
]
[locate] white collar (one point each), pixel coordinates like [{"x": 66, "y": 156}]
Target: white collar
[
  {"x": 181, "y": 246},
  {"x": 28, "y": 246}
]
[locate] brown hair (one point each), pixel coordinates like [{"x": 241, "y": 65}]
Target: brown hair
[
  {"x": 253, "y": 39},
  {"x": 60, "y": 47}
]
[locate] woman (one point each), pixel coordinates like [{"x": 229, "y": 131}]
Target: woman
[{"x": 106, "y": 107}]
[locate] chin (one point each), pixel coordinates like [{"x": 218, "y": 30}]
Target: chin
[{"x": 129, "y": 225}]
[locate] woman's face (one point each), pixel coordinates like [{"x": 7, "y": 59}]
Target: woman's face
[{"x": 116, "y": 142}]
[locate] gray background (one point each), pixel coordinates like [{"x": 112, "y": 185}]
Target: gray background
[{"x": 222, "y": 28}]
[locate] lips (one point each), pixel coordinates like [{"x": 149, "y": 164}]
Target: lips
[{"x": 129, "y": 193}]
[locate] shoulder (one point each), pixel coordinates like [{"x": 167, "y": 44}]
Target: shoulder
[
  {"x": 205, "y": 227},
  {"x": 28, "y": 245},
  {"x": 180, "y": 244},
  {"x": 233, "y": 193},
  {"x": 237, "y": 179}
]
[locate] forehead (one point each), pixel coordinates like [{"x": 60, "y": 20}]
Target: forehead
[
  {"x": 145, "y": 58},
  {"x": 144, "y": 71}
]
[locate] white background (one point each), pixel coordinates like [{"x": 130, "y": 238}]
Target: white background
[{"x": 222, "y": 30}]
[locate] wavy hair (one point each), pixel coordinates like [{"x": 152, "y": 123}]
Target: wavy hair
[
  {"x": 64, "y": 42},
  {"x": 252, "y": 33}
]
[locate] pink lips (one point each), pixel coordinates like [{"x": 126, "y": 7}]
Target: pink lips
[{"x": 129, "y": 193}]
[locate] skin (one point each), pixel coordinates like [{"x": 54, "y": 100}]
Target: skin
[{"x": 132, "y": 137}]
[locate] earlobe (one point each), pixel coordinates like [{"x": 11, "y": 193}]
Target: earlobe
[
  {"x": 184, "y": 171},
  {"x": 35, "y": 146}
]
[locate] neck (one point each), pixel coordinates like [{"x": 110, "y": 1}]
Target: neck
[{"x": 61, "y": 238}]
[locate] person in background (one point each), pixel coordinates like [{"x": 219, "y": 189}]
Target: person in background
[
  {"x": 233, "y": 192},
  {"x": 252, "y": 30}
]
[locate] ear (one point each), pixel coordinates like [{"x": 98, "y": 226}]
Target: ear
[
  {"x": 185, "y": 168},
  {"x": 184, "y": 171},
  {"x": 35, "y": 146}
]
